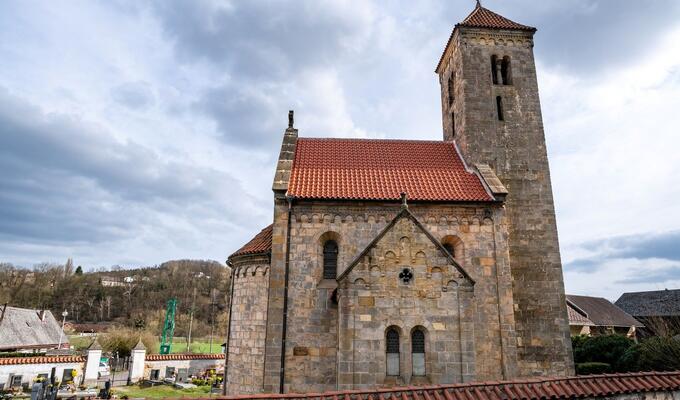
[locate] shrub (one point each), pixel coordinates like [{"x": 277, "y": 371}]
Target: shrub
[
  {"x": 660, "y": 354},
  {"x": 630, "y": 359},
  {"x": 588, "y": 368},
  {"x": 602, "y": 349},
  {"x": 122, "y": 340}
]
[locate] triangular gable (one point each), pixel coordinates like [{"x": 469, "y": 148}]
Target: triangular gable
[{"x": 405, "y": 213}]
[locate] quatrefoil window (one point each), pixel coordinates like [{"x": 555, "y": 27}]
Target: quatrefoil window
[{"x": 406, "y": 275}]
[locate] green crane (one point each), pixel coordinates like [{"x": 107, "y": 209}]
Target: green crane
[{"x": 169, "y": 326}]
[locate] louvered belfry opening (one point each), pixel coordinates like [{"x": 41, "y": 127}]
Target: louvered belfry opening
[
  {"x": 392, "y": 349},
  {"x": 330, "y": 259}
]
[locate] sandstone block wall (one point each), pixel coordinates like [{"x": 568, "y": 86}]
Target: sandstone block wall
[
  {"x": 479, "y": 235},
  {"x": 515, "y": 149},
  {"x": 248, "y": 325}
]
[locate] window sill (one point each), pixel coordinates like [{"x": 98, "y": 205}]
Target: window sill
[{"x": 327, "y": 284}]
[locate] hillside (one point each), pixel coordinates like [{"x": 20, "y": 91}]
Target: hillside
[{"x": 134, "y": 298}]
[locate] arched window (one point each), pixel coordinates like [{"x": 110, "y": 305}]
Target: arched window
[
  {"x": 450, "y": 249},
  {"x": 499, "y": 108},
  {"x": 494, "y": 69},
  {"x": 392, "y": 349},
  {"x": 418, "y": 352},
  {"x": 330, "y": 259},
  {"x": 506, "y": 76}
]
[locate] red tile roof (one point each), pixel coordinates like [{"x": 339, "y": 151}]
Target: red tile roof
[
  {"x": 521, "y": 389},
  {"x": 260, "y": 244},
  {"x": 365, "y": 169},
  {"x": 42, "y": 360},
  {"x": 163, "y": 357},
  {"x": 482, "y": 17},
  {"x": 576, "y": 318}
]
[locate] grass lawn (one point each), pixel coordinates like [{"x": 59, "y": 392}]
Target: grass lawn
[
  {"x": 179, "y": 345},
  {"x": 80, "y": 342},
  {"x": 162, "y": 391}
]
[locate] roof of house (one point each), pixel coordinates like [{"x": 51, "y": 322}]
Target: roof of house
[
  {"x": 661, "y": 303},
  {"x": 482, "y": 17},
  {"x": 41, "y": 360},
  {"x": 602, "y": 312},
  {"x": 260, "y": 244},
  {"x": 365, "y": 169},
  {"x": 577, "y": 317},
  {"x": 577, "y": 387},
  {"x": 22, "y": 328}
]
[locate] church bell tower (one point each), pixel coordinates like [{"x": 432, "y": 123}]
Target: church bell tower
[{"x": 491, "y": 109}]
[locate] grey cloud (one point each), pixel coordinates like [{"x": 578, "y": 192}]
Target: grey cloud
[
  {"x": 664, "y": 245},
  {"x": 134, "y": 95},
  {"x": 247, "y": 117},
  {"x": 589, "y": 37},
  {"x": 64, "y": 180},
  {"x": 654, "y": 276},
  {"x": 262, "y": 38}
]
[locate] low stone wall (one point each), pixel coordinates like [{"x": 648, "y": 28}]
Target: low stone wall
[
  {"x": 29, "y": 368},
  {"x": 190, "y": 364}
]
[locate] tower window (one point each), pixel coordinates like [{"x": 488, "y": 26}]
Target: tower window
[
  {"x": 494, "y": 69},
  {"x": 418, "y": 352},
  {"x": 499, "y": 108},
  {"x": 506, "y": 76},
  {"x": 392, "y": 349},
  {"x": 330, "y": 259},
  {"x": 452, "y": 79},
  {"x": 453, "y": 124}
]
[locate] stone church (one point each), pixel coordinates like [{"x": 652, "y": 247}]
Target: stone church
[{"x": 407, "y": 262}]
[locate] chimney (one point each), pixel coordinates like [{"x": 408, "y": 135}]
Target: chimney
[{"x": 41, "y": 315}]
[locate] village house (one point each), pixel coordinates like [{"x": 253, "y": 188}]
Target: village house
[{"x": 595, "y": 316}]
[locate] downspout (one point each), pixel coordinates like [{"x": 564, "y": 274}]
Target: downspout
[
  {"x": 504, "y": 367},
  {"x": 226, "y": 348},
  {"x": 285, "y": 297}
]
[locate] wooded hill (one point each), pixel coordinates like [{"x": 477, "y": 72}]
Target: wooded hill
[{"x": 134, "y": 298}]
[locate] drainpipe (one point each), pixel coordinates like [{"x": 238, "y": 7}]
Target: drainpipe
[
  {"x": 285, "y": 297},
  {"x": 226, "y": 347},
  {"x": 2, "y": 316}
]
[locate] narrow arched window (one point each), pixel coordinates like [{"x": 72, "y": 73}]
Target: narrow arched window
[
  {"x": 452, "y": 79},
  {"x": 330, "y": 259},
  {"x": 499, "y": 108},
  {"x": 392, "y": 349},
  {"x": 494, "y": 69},
  {"x": 418, "y": 352},
  {"x": 450, "y": 249},
  {"x": 506, "y": 76}
]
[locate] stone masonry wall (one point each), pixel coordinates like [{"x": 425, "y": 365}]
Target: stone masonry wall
[
  {"x": 437, "y": 301},
  {"x": 479, "y": 235},
  {"x": 248, "y": 325},
  {"x": 515, "y": 148}
]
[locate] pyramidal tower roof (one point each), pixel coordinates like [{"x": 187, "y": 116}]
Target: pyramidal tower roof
[{"x": 482, "y": 17}]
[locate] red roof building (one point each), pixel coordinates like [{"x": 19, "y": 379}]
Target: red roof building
[{"x": 364, "y": 169}]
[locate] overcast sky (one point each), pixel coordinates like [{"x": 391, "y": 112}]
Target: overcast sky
[{"x": 136, "y": 132}]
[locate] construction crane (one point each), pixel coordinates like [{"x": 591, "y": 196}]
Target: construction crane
[{"x": 168, "y": 326}]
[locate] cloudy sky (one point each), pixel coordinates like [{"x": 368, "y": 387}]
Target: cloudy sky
[{"x": 136, "y": 132}]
